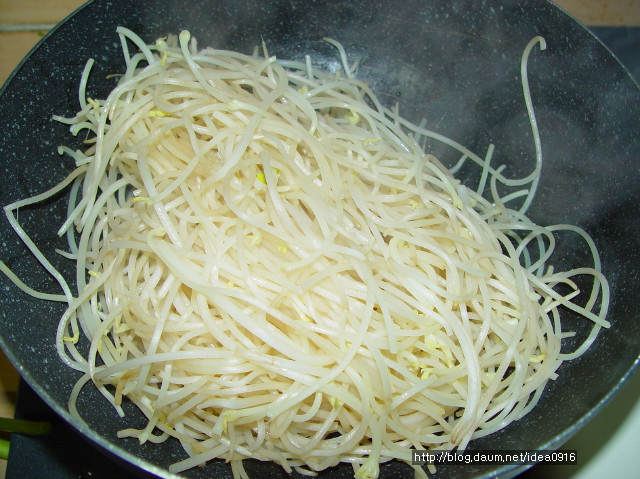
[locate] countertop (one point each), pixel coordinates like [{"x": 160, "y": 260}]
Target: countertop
[{"x": 24, "y": 22}]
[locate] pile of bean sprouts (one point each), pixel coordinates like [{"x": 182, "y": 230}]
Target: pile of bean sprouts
[{"x": 270, "y": 266}]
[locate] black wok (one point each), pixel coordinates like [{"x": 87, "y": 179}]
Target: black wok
[{"x": 455, "y": 64}]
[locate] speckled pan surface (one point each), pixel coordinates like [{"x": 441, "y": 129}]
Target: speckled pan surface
[{"x": 455, "y": 64}]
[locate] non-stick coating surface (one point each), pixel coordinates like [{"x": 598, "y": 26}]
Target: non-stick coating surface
[{"x": 455, "y": 64}]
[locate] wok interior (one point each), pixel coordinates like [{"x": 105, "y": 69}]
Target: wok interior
[{"x": 457, "y": 66}]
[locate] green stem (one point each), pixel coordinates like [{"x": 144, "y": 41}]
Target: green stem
[
  {"x": 4, "y": 449},
  {"x": 24, "y": 427}
]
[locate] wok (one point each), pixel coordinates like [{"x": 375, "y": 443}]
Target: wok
[{"x": 454, "y": 63}]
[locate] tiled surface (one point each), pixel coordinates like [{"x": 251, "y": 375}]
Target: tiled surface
[
  {"x": 36, "y": 11},
  {"x": 609, "y": 13},
  {"x": 23, "y": 22}
]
